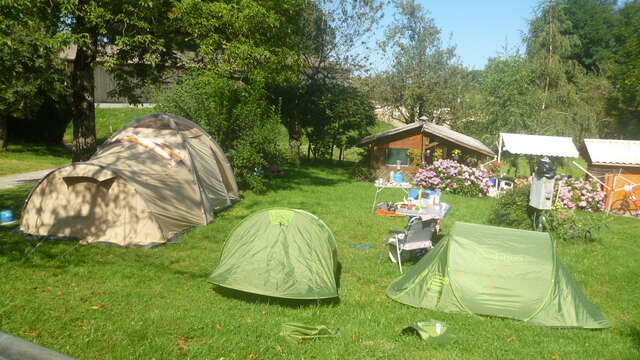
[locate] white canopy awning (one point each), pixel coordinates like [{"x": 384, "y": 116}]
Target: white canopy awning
[{"x": 537, "y": 145}]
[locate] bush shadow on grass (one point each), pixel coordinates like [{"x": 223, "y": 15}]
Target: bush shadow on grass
[
  {"x": 37, "y": 149},
  {"x": 633, "y": 333},
  {"x": 304, "y": 176}
]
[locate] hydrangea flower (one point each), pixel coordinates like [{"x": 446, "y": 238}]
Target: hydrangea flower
[
  {"x": 450, "y": 176},
  {"x": 580, "y": 194}
]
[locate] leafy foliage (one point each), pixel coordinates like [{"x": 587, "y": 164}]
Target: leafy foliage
[
  {"x": 625, "y": 71},
  {"x": 237, "y": 116},
  {"x": 29, "y": 61},
  {"x": 569, "y": 225},
  {"x": 512, "y": 209},
  {"x": 424, "y": 79}
]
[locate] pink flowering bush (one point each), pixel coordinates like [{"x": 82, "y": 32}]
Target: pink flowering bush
[
  {"x": 580, "y": 194},
  {"x": 451, "y": 176}
]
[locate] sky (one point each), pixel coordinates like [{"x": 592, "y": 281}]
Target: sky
[{"x": 479, "y": 28}]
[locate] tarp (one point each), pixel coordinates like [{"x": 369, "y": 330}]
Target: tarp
[
  {"x": 284, "y": 253},
  {"x": 149, "y": 181},
  {"x": 501, "y": 272},
  {"x": 542, "y": 145}
]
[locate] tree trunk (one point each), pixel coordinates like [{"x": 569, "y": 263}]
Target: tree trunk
[
  {"x": 83, "y": 102},
  {"x": 341, "y": 155},
  {"x": 309, "y": 151},
  {"x": 294, "y": 147},
  {"x": 3, "y": 133}
]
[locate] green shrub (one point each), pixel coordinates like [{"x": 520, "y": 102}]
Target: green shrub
[
  {"x": 236, "y": 115},
  {"x": 570, "y": 225},
  {"x": 512, "y": 209}
]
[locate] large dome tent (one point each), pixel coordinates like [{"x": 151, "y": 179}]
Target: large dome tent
[
  {"x": 280, "y": 252},
  {"x": 149, "y": 181}
]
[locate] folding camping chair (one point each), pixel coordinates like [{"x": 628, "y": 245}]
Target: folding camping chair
[{"x": 415, "y": 239}]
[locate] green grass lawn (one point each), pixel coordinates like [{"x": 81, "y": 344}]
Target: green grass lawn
[
  {"x": 21, "y": 158},
  {"x": 104, "y": 302},
  {"x": 111, "y": 120}
]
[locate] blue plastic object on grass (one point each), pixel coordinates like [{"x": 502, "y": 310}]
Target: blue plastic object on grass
[
  {"x": 6, "y": 216},
  {"x": 363, "y": 246}
]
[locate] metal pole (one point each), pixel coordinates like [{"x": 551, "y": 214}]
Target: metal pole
[
  {"x": 13, "y": 348},
  {"x": 500, "y": 147}
]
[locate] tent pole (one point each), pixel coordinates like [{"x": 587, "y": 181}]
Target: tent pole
[{"x": 500, "y": 148}]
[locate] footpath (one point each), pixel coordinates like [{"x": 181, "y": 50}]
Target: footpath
[{"x": 11, "y": 181}]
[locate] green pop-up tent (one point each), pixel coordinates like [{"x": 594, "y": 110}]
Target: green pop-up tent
[
  {"x": 283, "y": 253},
  {"x": 496, "y": 271}
]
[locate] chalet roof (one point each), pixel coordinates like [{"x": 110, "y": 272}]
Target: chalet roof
[
  {"x": 430, "y": 128},
  {"x": 613, "y": 152},
  {"x": 458, "y": 138}
]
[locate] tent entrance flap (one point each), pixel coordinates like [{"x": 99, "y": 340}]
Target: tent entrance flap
[{"x": 74, "y": 180}]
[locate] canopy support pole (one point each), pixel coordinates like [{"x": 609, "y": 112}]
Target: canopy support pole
[
  {"x": 500, "y": 148},
  {"x": 591, "y": 175}
]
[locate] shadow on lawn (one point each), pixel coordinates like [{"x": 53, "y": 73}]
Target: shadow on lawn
[
  {"x": 633, "y": 333},
  {"x": 40, "y": 149},
  {"x": 270, "y": 300},
  {"x": 305, "y": 175}
]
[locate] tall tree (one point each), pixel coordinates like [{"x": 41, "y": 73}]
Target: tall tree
[
  {"x": 592, "y": 22},
  {"x": 28, "y": 58},
  {"x": 563, "y": 81},
  {"x": 625, "y": 71},
  {"x": 333, "y": 29},
  {"x": 132, "y": 39},
  {"x": 140, "y": 40},
  {"x": 424, "y": 79}
]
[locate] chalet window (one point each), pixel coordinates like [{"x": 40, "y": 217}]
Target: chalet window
[{"x": 391, "y": 156}]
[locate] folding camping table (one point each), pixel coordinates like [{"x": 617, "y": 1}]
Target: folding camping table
[
  {"x": 379, "y": 187},
  {"x": 438, "y": 211}
]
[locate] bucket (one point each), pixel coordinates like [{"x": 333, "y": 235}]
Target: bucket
[
  {"x": 397, "y": 177},
  {"x": 6, "y": 216}
]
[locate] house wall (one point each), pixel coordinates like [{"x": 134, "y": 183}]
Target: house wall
[
  {"x": 401, "y": 141},
  {"x": 608, "y": 174},
  {"x": 416, "y": 142}
]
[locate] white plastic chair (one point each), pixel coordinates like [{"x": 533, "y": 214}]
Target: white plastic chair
[{"x": 416, "y": 238}]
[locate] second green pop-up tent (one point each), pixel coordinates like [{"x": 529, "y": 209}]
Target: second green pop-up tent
[
  {"x": 283, "y": 253},
  {"x": 496, "y": 271}
]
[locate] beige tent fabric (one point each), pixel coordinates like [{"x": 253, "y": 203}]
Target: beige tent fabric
[
  {"x": 90, "y": 203},
  {"x": 149, "y": 181}
]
